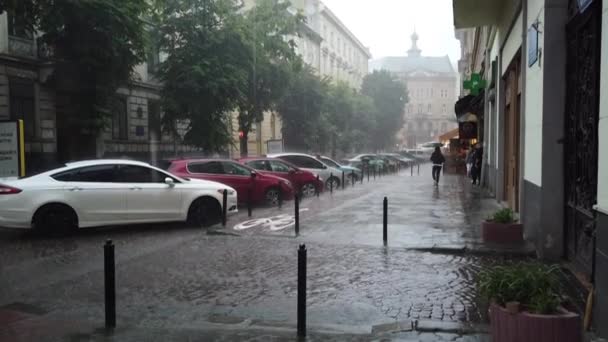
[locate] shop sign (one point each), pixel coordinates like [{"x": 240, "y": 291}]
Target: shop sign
[{"x": 12, "y": 157}]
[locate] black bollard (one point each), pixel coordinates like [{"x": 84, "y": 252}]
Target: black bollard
[
  {"x": 418, "y": 169},
  {"x": 249, "y": 200},
  {"x": 110, "y": 284},
  {"x": 280, "y": 197},
  {"x": 352, "y": 177},
  {"x": 331, "y": 183},
  {"x": 343, "y": 184},
  {"x": 374, "y": 173},
  {"x": 385, "y": 220},
  {"x": 412, "y": 169},
  {"x": 317, "y": 192},
  {"x": 302, "y": 291},
  {"x": 361, "y": 177},
  {"x": 297, "y": 214},
  {"x": 224, "y": 207},
  {"x": 368, "y": 174}
]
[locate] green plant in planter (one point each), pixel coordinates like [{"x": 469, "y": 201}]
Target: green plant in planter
[
  {"x": 533, "y": 285},
  {"x": 503, "y": 216}
]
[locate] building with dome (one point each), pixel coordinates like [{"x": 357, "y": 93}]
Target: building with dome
[{"x": 431, "y": 84}]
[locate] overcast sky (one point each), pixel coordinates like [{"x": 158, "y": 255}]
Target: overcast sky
[{"x": 385, "y": 26}]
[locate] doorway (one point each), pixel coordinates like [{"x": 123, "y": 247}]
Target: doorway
[{"x": 512, "y": 110}]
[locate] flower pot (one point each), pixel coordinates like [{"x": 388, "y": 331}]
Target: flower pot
[
  {"x": 502, "y": 232},
  {"x": 563, "y": 326}
]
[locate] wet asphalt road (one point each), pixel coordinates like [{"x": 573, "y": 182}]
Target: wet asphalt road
[{"x": 172, "y": 276}]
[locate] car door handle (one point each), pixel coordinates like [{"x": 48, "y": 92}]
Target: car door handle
[{"x": 76, "y": 188}]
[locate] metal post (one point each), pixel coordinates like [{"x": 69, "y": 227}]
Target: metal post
[
  {"x": 352, "y": 177},
  {"x": 418, "y": 169},
  {"x": 249, "y": 200},
  {"x": 374, "y": 173},
  {"x": 385, "y": 220},
  {"x": 361, "y": 177},
  {"x": 331, "y": 183},
  {"x": 110, "y": 284},
  {"x": 368, "y": 174},
  {"x": 316, "y": 187},
  {"x": 343, "y": 184},
  {"x": 302, "y": 291},
  {"x": 280, "y": 198},
  {"x": 297, "y": 214},
  {"x": 412, "y": 169},
  {"x": 224, "y": 207}
]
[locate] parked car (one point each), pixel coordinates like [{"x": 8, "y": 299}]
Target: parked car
[
  {"x": 362, "y": 160},
  {"x": 347, "y": 169},
  {"x": 305, "y": 182},
  {"x": 403, "y": 161},
  {"x": 415, "y": 157},
  {"x": 109, "y": 192},
  {"x": 329, "y": 175},
  {"x": 264, "y": 188}
]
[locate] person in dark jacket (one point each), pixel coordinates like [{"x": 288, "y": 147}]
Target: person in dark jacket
[
  {"x": 437, "y": 159},
  {"x": 476, "y": 167}
]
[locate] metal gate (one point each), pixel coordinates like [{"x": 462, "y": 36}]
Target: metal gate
[{"x": 581, "y": 133}]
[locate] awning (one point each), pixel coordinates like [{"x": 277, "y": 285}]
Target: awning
[
  {"x": 474, "y": 13},
  {"x": 470, "y": 104},
  {"x": 453, "y": 134}
]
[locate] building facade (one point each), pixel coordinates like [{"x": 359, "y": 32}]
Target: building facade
[
  {"x": 545, "y": 124},
  {"x": 431, "y": 84}
]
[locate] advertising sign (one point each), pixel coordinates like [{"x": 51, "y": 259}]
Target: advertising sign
[
  {"x": 274, "y": 146},
  {"x": 12, "y": 159}
]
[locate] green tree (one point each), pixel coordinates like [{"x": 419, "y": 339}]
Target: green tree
[
  {"x": 206, "y": 68},
  {"x": 95, "y": 45},
  {"x": 267, "y": 31},
  {"x": 300, "y": 109},
  {"x": 390, "y": 97}
]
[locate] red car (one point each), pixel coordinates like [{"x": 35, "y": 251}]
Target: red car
[
  {"x": 305, "y": 182},
  {"x": 264, "y": 187}
]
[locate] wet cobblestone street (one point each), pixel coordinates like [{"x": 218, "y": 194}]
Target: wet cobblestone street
[{"x": 185, "y": 279}]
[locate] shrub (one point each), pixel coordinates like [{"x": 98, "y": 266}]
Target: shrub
[
  {"x": 503, "y": 216},
  {"x": 533, "y": 285}
]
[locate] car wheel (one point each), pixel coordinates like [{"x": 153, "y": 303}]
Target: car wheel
[
  {"x": 55, "y": 219},
  {"x": 271, "y": 197},
  {"x": 335, "y": 182},
  {"x": 204, "y": 212},
  {"x": 308, "y": 190}
]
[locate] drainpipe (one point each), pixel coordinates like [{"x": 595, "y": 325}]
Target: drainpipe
[{"x": 522, "y": 112}]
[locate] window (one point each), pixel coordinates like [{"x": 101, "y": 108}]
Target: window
[
  {"x": 444, "y": 108},
  {"x": 154, "y": 120},
  {"x": 206, "y": 167},
  {"x": 330, "y": 162},
  {"x": 262, "y": 165},
  {"x": 429, "y": 108},
  {"x": 278, "y": 166},
  {"x": 235, "y": 169},
  {"x": 97, "y": 173},
  {"x": 153, "y": 58},
  {"x": 119, "y": 119},
  {"x": 420, "y": 109},
  {"x": 22, "y": 104},
  {"x": 273, "y": 126},
  {"x": 140, "y": 174},
  {"x": 303, "y": 161},
  {"x": 17, "y": 26}
]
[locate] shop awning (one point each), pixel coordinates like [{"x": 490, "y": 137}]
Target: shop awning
[
  {"x": 473, "y": 13},
  {"x": 453, "y": 134},
  {"x": 470, "y": 104}
]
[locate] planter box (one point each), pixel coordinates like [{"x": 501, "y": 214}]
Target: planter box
[
  {"x": 502, "y": 232},
  {"x": 527, "y": 327}
]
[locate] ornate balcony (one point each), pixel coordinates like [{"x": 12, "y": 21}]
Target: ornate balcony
[{"x": 21, "y": 46}]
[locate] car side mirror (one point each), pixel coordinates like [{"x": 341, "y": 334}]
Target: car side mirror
[
  {"x": 292, "y": 171},
  {"x": 324, "y": 167},
  {"x": 254, "y": 174},
  {"x": 169, "y": 181}
]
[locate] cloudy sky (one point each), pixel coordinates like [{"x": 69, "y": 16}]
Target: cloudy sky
[{"x": 385, "y": 26}]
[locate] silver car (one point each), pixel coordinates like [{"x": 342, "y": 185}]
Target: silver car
[{"x": 330, "y": 175}]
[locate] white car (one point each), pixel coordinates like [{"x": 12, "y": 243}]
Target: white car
[
  {"x": 330, "y": 175},
  {"x": 109, "y": 192}
]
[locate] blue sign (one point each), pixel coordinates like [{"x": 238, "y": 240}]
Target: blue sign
[
  {"x": 532, "y": 46},
  {"x": 583, "y": 4}
]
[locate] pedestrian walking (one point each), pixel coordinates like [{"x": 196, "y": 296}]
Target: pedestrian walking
[
  {"x": 438, "y": 160},
  {"x": 476, "y": 167},
  {"x": 469, "y": 160}
]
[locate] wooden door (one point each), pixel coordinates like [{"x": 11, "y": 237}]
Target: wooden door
[{"x": 511, "y": 131}]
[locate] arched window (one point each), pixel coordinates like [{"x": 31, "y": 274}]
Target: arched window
[{"x": 273, "y": 126}]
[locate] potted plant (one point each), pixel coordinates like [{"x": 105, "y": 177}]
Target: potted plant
[
  {"x": 527, "y": 304},
  {"x": 502, "y": 228}
]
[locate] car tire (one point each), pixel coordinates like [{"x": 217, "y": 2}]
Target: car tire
[
  {"x": 55, "y": 219},
  {"x": 333, "y": 180},
  {"x": 308, "y": 190},
  {"x": 271, "y": 196},
  {"x": 204, "y": 212}
]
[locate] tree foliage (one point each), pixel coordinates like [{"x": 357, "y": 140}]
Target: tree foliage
[{"x": 95, "y": 44}]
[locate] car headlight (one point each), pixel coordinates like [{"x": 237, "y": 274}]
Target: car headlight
[{"x": 230, "y": 192}]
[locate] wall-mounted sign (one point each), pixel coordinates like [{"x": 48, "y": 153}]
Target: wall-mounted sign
[
  {"x": 583, "y": 4},
  {"x": 467, "y": 130},
  {"x": 532, "y": 46},
  {"x": 12, "y": 152},
  {"x": 475, "y": 84},
  {"x": 274, "y": 146}
]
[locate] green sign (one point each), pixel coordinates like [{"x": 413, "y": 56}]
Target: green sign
[{"x": 474, "y": 84}]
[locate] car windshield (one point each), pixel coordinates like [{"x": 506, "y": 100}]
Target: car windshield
[{"x": 330, "y": 162}]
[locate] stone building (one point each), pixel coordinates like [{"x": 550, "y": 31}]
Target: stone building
[
  {"x": 546, "y": 124},
  {"x": 133, "y": 127},
  {"x": 431, "y": 84}
]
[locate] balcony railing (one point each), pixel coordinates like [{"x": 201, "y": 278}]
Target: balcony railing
[{"x": 21, "y": 46}]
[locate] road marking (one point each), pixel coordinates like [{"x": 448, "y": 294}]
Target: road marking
[{"x": 274, "y": 223}]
